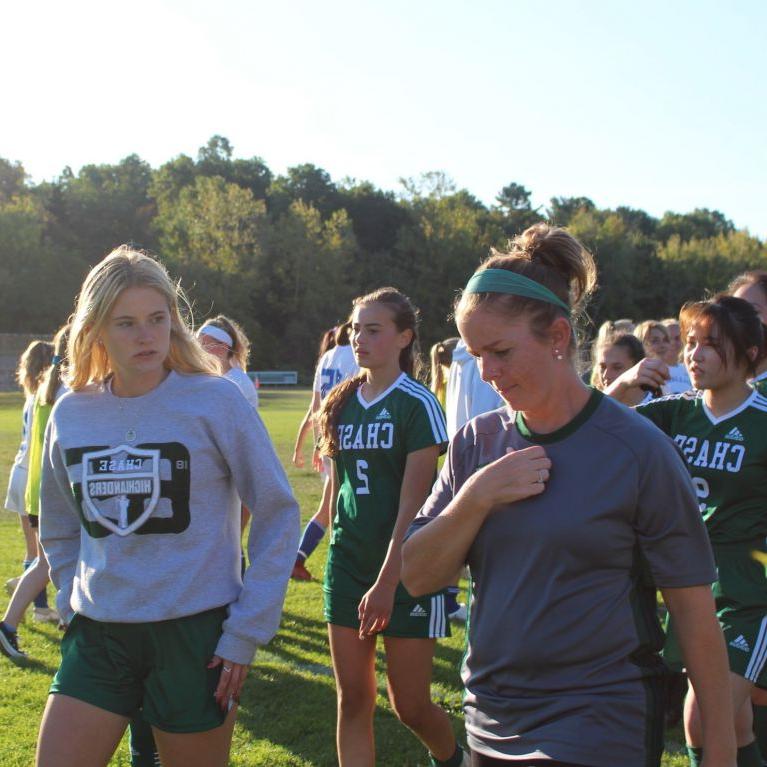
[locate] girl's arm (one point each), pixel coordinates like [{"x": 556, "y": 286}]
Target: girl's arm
[
  {"x": 376, "y": 606},
  {"x": 307, "y": 423},
  {"x": 705, "y": 656},
  {"x": 434, "y": 553},
  {"x": 262, "y": 486},
  {"x": 627, "y": 387},
  {"x": 298, "y": 457},
  {"x": 59, "y": 523}
]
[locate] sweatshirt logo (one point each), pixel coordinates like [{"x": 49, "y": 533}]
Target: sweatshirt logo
[{"x": 121, "y": 486}]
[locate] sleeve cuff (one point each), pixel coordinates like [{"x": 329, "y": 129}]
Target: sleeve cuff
[{"x": 235, "y": 649}]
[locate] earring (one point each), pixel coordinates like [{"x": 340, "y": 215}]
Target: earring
[{"x": 558, "y": 355}]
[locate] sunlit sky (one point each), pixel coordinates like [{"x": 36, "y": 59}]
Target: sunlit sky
[{"x": 654, "y": 105}]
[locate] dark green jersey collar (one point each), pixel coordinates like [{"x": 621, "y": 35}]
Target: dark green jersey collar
[{"x": 564, "y": 431}]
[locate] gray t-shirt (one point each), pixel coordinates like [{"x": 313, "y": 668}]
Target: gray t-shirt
[{"x": 562, "y": 659}]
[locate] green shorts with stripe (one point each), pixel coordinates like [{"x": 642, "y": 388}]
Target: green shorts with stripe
[
  {"x": 422, "y": 618},
  {"x": 159, "y": 668},
  {"x": 740, "y": 594}
]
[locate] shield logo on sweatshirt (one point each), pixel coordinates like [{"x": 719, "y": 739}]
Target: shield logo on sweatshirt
[{"x": 121, "y": 486}]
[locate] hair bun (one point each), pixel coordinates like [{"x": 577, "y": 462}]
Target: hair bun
[{"x": 556, "y": 249}]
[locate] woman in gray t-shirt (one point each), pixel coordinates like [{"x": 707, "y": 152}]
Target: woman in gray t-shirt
[{"x": 569, "y": 511}]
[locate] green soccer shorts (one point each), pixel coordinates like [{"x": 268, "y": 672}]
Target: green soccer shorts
[
  {"x": 422, "y": 618},
  {"x": 159, "y": 667}
]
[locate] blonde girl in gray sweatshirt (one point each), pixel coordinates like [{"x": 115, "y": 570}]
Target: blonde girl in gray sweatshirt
[{"x": 146, "y": 460}]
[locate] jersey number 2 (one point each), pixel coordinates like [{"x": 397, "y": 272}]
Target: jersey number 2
[
  {"x": 364, "y": 488},
  {"x": 702, "y": 490}
]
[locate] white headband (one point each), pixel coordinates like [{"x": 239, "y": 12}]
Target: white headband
[{"x": 217, "y": 333}]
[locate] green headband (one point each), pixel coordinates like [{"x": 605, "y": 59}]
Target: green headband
[{"x": 504, "y": 281}]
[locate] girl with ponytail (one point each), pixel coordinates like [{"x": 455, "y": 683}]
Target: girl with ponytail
[
  {"x": 32, "y": 584},
  {"x": 384, "y": 431},
  {"x": 555, "y": 503}
]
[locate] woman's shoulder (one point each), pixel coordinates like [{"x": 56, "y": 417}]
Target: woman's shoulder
[{"x": 631, "y": 430}]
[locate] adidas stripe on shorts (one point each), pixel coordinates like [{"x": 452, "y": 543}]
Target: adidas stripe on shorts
[
  {"x": 422, "y": 618},
  {"x": 746, "y": 641}
]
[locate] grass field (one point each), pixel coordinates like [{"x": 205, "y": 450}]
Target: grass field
[{"x": 287, "y": 713}]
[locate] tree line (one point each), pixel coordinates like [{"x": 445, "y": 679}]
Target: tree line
[{"x": 285, "y": 254}]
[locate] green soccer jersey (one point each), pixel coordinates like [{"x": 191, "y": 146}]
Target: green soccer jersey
[
  {"x": 726, "y": 457},
  {"x": 374, "y": 440}
]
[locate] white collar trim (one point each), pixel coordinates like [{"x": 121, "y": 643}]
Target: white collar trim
[
  {"x": 739, "y": 409},
  {"x": 368, "y": 405}
]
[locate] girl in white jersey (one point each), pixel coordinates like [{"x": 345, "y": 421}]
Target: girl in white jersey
[
  {"x": 33, "y": 363},
  {"x": 226, "y": 341},
  {"x": 146, "y": 459}
]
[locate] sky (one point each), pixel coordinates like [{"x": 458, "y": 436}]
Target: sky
[{"x": 654, "y": 105}]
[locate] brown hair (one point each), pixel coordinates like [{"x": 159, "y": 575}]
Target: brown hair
[
  {"x": 550, "y": 256},
  {"x": 33, "y": 363},
  {"x": 627, "y": 341},
  {"x": 343, "y": 331},
  {"x": 241, "y": 349},
  {"x": 54, "y": 375},
  {"x": 736, "y": 320},
  {"x": 405, "y": 317}
]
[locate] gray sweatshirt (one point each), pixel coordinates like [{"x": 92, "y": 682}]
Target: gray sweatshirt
[{"x": 140, "y": 509}]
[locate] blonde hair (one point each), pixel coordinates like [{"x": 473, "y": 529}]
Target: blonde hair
[
  {"x": 241, "y": 349},
  {"x": 550, "y": 256},
  {"x": 124, "y": 268},
  {"x": 643, "y": 329},
  {"x": 33, "y": 363},
  {"x": 441, "y": 357}
]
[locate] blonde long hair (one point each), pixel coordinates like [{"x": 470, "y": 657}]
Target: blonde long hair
[{"x": 124, "y": 268}]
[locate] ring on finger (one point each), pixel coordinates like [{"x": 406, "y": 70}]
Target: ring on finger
[
  {"x": 226, "y": 669},
  {"x": 541, "y": 476}
]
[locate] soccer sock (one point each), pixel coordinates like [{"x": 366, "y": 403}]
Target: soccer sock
[
  {"x": 143, "y": 751},
  {"x": 451, "y": 599},
  {"x": 41, "y": 600},
  {"x": 696, "y": 756},
  {"x": 454, "y": 761},
  {"x": 748, "y": 756},
  {"x": 760, "y": 728},
  {"x": 313, "y": 533}
]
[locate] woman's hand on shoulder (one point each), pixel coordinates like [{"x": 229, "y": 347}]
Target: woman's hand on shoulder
[{"x": 517, "y": 475}]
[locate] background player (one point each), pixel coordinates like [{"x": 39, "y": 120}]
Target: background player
[
  {"x": 226, "y": 341},
  {"x": 384, "y": 431},
  {"x": 752, "y": 287},
  {"x": 32, "y": 365},
  {"x": 720, "y": 429}
]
